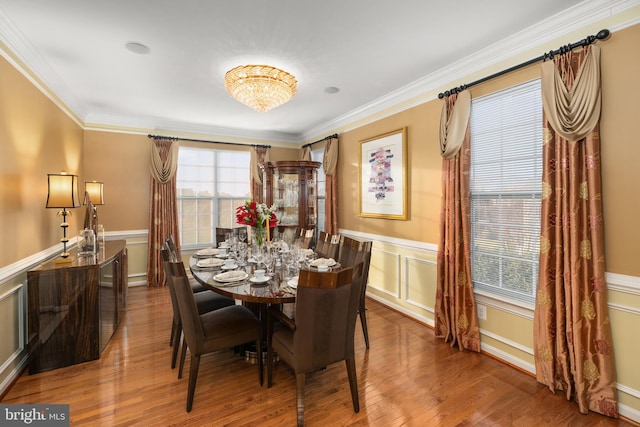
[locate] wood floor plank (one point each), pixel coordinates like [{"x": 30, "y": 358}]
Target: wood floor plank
[{"x": 407, "y": 378}]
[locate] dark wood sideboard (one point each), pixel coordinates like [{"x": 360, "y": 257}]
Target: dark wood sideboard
[{"x": 75, "y": 308}]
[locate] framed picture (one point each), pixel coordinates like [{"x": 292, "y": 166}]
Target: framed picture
[{"x": 383, "y": 176}]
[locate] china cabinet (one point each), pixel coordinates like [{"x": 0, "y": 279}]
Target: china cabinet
[{"x": 293, "y": 187}]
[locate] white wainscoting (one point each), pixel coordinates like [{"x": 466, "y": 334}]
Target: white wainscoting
[
  {"x": 403, "y": 277},
  {"x": 13, "y": 329}
]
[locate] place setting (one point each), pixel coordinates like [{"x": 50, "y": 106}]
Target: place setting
[
  {"x": 324, "y": 264},
  {"x": 231, "y": 277},
  {"x": 291, "y": 286},
  {"x": 209, "y": 263},
  {"x": 206, "y": 253}
]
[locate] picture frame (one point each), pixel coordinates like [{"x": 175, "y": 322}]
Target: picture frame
[{"x": 383, "y": 176}]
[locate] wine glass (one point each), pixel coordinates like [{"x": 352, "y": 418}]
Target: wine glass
[
  {"x": 242, "y": 235},
  {"x": 257, "y": 254},
  {"x": 269, "y": 261}
]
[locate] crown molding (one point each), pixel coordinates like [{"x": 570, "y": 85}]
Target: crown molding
[
  {"x": 33, "y": 66},
  {"x": 220, "y": 134},
  {"x": 505, "y": 53}
]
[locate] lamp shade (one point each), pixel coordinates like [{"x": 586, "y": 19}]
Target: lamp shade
[
  {"x": 95, "y": 190},
  {"x": 63, "y": 191}
]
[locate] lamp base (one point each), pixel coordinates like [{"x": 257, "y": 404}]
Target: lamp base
[{"x": 60, "y": 260}]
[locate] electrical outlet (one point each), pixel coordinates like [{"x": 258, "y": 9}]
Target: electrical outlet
[{"x": 482, "y": 312}]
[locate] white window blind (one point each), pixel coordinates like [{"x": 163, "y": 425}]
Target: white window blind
[
  {"x": 506, "y": 186},
  {"x": 318, "y": 156},
  {"x": 210, "y": 185}
]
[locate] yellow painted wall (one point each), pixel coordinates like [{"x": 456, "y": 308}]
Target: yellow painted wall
[
  {"x": 36, "y": 138},
  {"x": 122, "y": 162},
  {"x": 424, "y": 164}
]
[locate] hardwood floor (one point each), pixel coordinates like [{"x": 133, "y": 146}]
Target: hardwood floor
[{"x": 406, "y": 378}]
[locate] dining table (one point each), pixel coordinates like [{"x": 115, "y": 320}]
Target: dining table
[{"x": 276, "y": 289}]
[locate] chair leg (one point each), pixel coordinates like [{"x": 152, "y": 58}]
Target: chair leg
[
  {"x": 173, "y": 331},
  {"x": 176, "y": 344},
  {"x": 193, "y": 376},
  {"x": 183, "y": 355},
  {"x": 363, "y": 320},
  {"x": 353, "y": 383},
  {"x": 300, "y": 383}
]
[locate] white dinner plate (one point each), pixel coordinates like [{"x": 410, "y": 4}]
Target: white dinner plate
[
  {"x": 293, "y": 282},
  {"x": 230, "y": 276},
  {"x": 207, "y": 252},
  {"x": 329, "y": 262},
  {"x": 209, "y": 263},
  {"x": 230, "y": 267}
]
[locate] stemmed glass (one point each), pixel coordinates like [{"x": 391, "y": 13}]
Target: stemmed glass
[
  {"x": 242, "y": 235},
  {"x": 257, "y": 254},
  {"x": 269, "y": 260}
]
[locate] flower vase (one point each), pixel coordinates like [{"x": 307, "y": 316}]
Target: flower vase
[{"x": 259, "y": 237}]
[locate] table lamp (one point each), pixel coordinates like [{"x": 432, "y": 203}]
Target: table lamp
[
  {"x": 63, "y": 194},
  {"x": 96, "y": 192}
]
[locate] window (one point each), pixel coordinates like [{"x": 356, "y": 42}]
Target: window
[
  {"x": 318, "y": 156},
  {"x": 210, "y": 184},
  {"x": 506, "y": 187}
]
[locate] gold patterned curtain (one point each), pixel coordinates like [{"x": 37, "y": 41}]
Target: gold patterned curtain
[
  {"x": 330, "y": 166},
  {"x": 163, "y": 210},
  {"x": 305, "y": 154},
  {"x": 455, "y": 309},
  {"x": 572, "y": 334},
  {"x": 259, "y": 156}
]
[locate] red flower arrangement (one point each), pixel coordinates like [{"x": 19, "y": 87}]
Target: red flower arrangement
[{"x": 256, "y": 214}]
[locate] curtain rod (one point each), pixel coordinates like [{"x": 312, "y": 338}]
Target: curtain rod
[
  {"x": 335, "y": 135},
  {"x": 602, "y": 35},
  {"x": 175, "y": 138}
]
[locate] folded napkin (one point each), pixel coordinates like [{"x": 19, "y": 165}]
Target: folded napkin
[
  {"x": 288, "y": 289},
  {"x": 210, "y": 262},
  {"x": 306, "y": 252},
  {"x": 208, "y": 251},
  {"x": 230, "y": 275},
  {"x": 323, "y": 261}
]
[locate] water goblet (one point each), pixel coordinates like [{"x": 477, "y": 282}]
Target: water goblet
[
  {"x": 242, "y": 235},
  {"x": 269, "y": 262}
]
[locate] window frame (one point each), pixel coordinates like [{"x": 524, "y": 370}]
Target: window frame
[
  {"x": 215, "y": 199},
  {"x": 317, "y": 155},
  {"x": 497, "y": 289}
]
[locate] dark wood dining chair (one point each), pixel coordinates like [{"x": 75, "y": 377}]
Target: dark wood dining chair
[
  {"x": 306, "y": 241},
  {"x": 322, "y": 333},
  {"x": 328, "y": 245},
  {"x": 205, "y": 302},
  {"x": 176, "y": 255},
  {"x": 353, "y": 252},
  {"x": 216, "y": 330}
]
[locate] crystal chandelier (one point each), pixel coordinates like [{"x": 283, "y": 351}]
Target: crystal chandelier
[{"x": 261, "y": 87}]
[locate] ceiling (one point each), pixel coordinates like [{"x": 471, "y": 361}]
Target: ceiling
[{"x": 373, "y": 51}]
